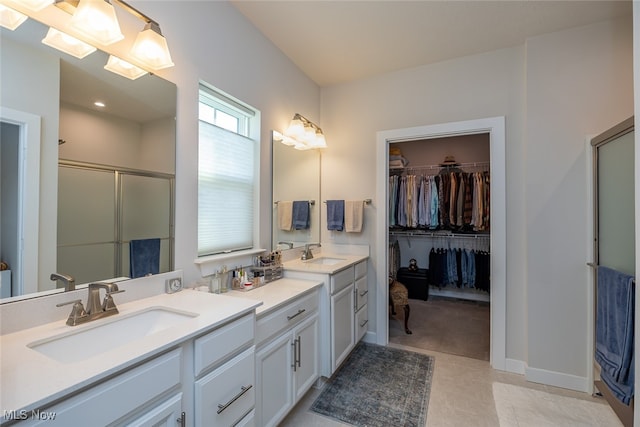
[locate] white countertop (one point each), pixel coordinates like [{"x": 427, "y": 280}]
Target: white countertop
[
  {"x": 308, "y": 266},
  {"x": 29, "y": 379},
  {"x": 277, "y": 293}
]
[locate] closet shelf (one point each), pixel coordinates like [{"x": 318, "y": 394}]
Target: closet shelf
[{"x": 476, "y": 166}]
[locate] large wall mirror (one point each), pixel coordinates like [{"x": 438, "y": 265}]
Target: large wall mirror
[
  {"x": 296, "y": 177},
  {"x": 105, "y": 175}
]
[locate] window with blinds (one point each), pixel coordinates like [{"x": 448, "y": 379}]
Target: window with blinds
[{"x": 227, "y": 172}]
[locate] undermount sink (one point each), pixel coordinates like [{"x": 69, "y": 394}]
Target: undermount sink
[
  {"x": 74, "y": 346},
  {"x": 325, "y": 261}
]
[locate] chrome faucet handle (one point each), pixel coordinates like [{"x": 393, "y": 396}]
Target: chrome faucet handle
[{"x": 77, "y": 312}]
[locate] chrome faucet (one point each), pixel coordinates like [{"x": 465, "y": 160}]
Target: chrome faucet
[
  {"x": 69, "y": 282},
  {"x": 288, "y": 244},
  {"x": 95, "y": 309},
  {"x": 306, "y": 253}
]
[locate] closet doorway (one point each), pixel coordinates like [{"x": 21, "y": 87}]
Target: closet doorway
[
  {"x": 494, "y": 129},
  {"x": 439, "y": 235}
]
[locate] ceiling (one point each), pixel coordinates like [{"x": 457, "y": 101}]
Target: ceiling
[{"x": 334, "y": 42}]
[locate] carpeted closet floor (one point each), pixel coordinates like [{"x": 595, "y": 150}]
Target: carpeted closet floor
[{"x": 445, "y": 325}]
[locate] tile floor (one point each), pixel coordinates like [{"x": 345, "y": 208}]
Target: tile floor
[{"x": 461, "y": 394}]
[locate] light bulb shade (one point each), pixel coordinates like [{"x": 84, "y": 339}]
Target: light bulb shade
[
  {"x": 151, "y": 49},
  {"x": 11, "y": 19},
  {"x": 96, "y": 20},
  {"x": 67, "y": 44},
  {"x": 295, "y": 129},
  {"x": 34, "y": 5},
  {"x": 124, "y": 68},
  {"x": 320, "y": 141}
]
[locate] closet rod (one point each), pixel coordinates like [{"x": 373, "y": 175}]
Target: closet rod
[
  {"x": 448, "y": 235},
  {"x": 311, "y": 202}
]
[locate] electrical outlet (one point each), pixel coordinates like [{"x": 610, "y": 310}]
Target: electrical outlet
[{"x": 173, "y": 285}]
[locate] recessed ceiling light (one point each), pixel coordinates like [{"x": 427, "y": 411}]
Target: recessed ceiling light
[{"x": 99, "y": 104}]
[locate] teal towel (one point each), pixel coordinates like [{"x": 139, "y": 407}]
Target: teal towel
[
  {"x": 300, "y": 215},
  {"x": 615, "y": 330},
  {"x": 335, "y": 215},
  {"x": 144, "y": 257}
]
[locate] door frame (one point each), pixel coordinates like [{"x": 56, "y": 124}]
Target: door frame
[
  {"x": 26, "y": 279},
  {"x": 495, "y": 127}
]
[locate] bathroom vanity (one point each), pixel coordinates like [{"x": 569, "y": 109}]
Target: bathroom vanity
[{"x": 343, "y": 302}]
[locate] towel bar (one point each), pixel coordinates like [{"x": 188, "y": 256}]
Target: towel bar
[{"x": 366, "y": 201}]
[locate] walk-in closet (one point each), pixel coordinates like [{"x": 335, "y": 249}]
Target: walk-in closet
[{"x": 439, "y": 243}]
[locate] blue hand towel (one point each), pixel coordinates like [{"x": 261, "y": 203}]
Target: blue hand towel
[
  {"x": 614, "y": 329},
  {"x": 335, "y": 215},
  {"x": 300, "y": 215},
  {"x": 144, "y": 257}
]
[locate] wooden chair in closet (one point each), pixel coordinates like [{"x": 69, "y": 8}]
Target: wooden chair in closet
[{"x": 399, "y": 296}]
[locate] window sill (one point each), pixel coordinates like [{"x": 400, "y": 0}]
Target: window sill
[{"x": 208, "y": 264}]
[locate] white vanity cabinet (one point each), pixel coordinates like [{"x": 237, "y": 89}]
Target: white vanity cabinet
[
  {"x": 361, "y": 292},
  {"x": 342, "y": 316},
  {"x": 343, "y": 305},
  {"x": 287, "y": 357},
  {"x": 209, "y": 378},
  {"x": 136, "y": 391}
]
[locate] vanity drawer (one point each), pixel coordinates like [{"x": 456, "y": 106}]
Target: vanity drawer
[
  {"x": 362, "y": 321},
  {"x": 125, "y": 394},
  {"x": 226, "y": 395},
  {"x": 362, "y": 292},
  {"x": 216, "y": 345},
  {"x": 285, "y": 317},
  {"x": 341, "y": 280},
  {"x": 361, "y": 269}
]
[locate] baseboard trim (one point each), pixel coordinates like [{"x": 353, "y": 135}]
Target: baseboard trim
[
  {"x": 557, "y": 379},
  {"x": 515, "y": 366}
]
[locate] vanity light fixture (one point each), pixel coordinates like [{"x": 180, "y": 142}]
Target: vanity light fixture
[
  {"x": 97, "y": 21},
  {"x": 151, "y": 47},
  {"x": 303, "y": 134},
  {"x": 67, "y": 44},
  {"x": 124, "y": 68},
  {"x": 11, "y": 19}
]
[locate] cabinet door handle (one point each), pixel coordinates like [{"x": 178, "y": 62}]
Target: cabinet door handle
[
  {"x": 302, "y": 310},
  {"x": 294, "y": 344},
  {"x": 299, "y": 350},
  {"x": 182, "y": 420},
  {"x": 243, "y": 390},
  {"x": 364, "y": 323}
]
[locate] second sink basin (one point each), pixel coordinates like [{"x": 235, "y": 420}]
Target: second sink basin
[
  {"x": 74, "y": 346},
  {"x": 325, "y": 261}
]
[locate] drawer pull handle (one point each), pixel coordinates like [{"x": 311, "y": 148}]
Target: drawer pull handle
[
  {"x": 364, "y": 323},
  {"x": 302, "y": 310},
  {"x": 364, "y": 293},
  {"x": 243, "y": 390}
]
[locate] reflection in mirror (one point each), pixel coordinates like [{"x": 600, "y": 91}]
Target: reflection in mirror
[
  {"x": 109, "y": 170},
  {"x": 296, "y": 177}
]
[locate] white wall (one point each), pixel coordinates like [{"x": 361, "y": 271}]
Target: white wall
[
  {"x": 554, "y": 91},
  {"x": 473, "y": 87},
  {"x": 579, "y": 83},
  {"x": 31, "y": 84},
  {"x": 211, "y": 41}
]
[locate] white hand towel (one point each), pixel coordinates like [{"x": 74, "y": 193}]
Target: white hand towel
[
  {"x": 285, "y": 215},
  {"x": 353, "y": 216}
]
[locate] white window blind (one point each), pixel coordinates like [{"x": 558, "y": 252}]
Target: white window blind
[{"x": 225, "y": 190}]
